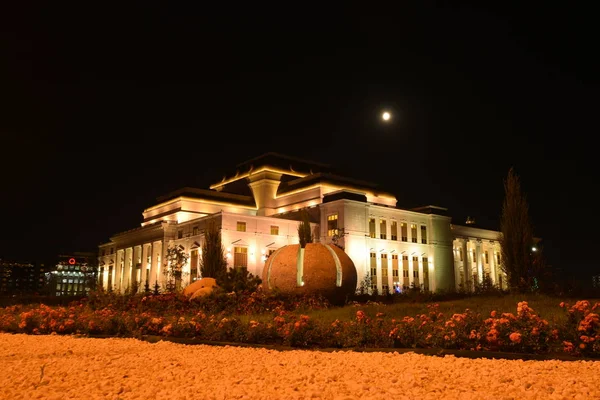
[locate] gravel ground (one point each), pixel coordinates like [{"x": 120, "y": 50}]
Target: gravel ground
[{"x": 66, "y": 367}]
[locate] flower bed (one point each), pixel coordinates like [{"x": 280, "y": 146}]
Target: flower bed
[{"x": 260, "y": 319}]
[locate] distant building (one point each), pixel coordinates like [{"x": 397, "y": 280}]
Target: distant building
[
  {"x": 21, "y": 278},
  {"x": 257, "y": 209},
  {"x": 596, "y": 281},
  {"x": 73, "y": 275}
]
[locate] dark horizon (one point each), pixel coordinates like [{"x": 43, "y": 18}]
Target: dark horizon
[{"x": 105, "y": 109}]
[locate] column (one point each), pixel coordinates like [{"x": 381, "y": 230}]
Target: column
[
  {"x": 492, "y": 260},
  {"x": 126, "y": 274},
  {"x": 466, "y": 267},
  {"x": 411, "y": 271},
  {"x": 143, "y": 274},
  {"x": 421, "y": 271},
  {"x": 153, "y": 263},
  {"x": 158, "y": 260},
  {"x": 137, "y": 264},
  {"x": 456, "y": 258},
  {"x": 478, "y": 255},
  {"x": 118, "y": 268}
]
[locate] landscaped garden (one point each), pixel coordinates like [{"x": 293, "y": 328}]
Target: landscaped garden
[{"x": 531, "y": 324}]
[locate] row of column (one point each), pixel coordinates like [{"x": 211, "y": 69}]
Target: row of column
[
  {"x": 467, "y": 264},
  {"x": 400, "y": 279},
  {"x": 126, "y": 270}
]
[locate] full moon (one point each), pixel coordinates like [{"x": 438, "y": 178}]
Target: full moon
[{"x": 386, "y": 116}]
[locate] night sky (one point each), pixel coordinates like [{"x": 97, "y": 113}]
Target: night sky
[{"x": 104, "y": 108}]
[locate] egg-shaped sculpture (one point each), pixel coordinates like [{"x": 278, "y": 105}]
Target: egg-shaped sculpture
[{"x": 315, "y": 269}]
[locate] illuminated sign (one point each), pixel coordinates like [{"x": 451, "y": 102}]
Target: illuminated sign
[{"x": 72, "y": 261}]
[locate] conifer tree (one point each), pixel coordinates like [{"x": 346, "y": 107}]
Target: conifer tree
[
  {"x": 212, "y": 262},
  {"x": 516, "y": 236}
]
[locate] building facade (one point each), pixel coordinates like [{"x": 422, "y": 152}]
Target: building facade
[
  {"x": 73, "y": 275},
  {"x": 17, "y": 278},
  {"x": 258, "y": 211}
]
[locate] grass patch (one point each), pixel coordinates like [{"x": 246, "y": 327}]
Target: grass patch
[{"x": 546, "y": 307}]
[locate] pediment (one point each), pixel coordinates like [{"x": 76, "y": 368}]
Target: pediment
[{"x": 239, "y": 243}]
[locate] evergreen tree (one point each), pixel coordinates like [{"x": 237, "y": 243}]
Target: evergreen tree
[
  {"x": 516, "y": 236},
  {"x": 147, "y": 289},
  {"x": 239, "y": 280},
  {"x": 304, "y": 230},
  {"x": 212, "y": 262},
  {"x": 156, "y": 291}
]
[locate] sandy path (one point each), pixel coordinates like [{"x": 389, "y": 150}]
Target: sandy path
[{"x": 78, "y": 368}]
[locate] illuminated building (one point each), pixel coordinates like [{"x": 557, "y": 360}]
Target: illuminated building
[
  {"x": 74, "y": 274},
  {"x": 257, "y": 210},
  {"x": 20, "y": 278}
]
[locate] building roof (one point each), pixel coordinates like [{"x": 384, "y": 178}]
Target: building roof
[
  {"x": 323, "y": 178},
  {"x": 206, "y": 194},
  {"x": 287, "y": 166},
  {"x": 430, "y": 210},
  {"x": 283, "y": 161}
]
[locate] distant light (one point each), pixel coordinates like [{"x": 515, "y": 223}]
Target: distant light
[
  {"x": 386, "y": 116},
  {"x": 534, "y": 248}
]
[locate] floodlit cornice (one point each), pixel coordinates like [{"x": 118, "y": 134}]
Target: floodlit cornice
[
  {"x": 196, "y": 200},
  {"x": 265, "y": 168},
  {"x": 335, "y": 188}
]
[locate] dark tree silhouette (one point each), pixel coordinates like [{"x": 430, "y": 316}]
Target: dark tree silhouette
[
  {"x": 212, "y": 262},
  {"x": 516, "y": 237}
]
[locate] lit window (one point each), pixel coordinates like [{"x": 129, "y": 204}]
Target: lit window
[
  {"x": 487, "y": 259},
  {"x": 240, "y": 256},
  {"x": 374, "y": 272},
  {"x": 425, "y": 273},
  {"x": 384, "y": 274},
  {"x": 274, "y": 230},
  {"x": 241, "y": 226},
  {"x": 382, "y": 229},
  {"x": 423, "y": 234},
  {"x": 413, "y": 233},
  {"x": 404, "y": 231},
  {"x": 416, "y": 267},
  {"x": 332, "y": 225},
  {"x": 373, "y": 264},
  {"x": 372, "y": 227},
  {"x": 394, "y": 229},
  {"x": 194, "y": 263}
]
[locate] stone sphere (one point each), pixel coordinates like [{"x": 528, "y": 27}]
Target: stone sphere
[{"x": 325, "y": 269}]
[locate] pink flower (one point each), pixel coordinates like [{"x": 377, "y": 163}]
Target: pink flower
[{"x": 515, "y": 337}]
